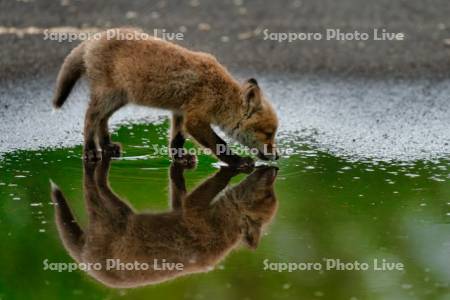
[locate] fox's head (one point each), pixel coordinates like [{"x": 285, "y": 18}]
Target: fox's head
[
  {"x": 259, "y": 123},
  {"x": 257, "y": 203}
]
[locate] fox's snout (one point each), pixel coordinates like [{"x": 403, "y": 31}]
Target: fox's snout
[
  {"x": 269, "y": 173},
  {"x": 268, "y": 152}
]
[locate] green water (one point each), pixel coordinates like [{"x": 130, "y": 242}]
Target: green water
[{"x": 328, "y": 208}]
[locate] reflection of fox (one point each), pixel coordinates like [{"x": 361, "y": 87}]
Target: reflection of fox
[
  {"x": 201, "y": 229},
  {"x": 193, "y": 85}
]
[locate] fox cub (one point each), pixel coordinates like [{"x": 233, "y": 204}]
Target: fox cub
[
  {"x": 202, "y": 228},
  {"x": 194, "y": 86}
]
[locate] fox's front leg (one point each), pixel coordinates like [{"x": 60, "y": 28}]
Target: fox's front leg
[
  {"x": 177, "y": 185},
  {"x": 177, "y": 139},
  {"x": 203, "y": 194},
  {"x": 203, "y": 133}
]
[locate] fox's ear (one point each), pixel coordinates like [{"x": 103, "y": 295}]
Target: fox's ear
[
  {"x": 252, "y": 233},
  {"x": 252, "y": 95},
  {"x": 252, "y": 81}
]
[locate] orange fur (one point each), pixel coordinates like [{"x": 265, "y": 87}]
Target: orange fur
[
  {"x": 202, "y": 228},
  {"x": 193, "y": 85}
]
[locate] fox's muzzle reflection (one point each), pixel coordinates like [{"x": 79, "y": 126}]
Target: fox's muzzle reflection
[{"x": 200, "y": 230}]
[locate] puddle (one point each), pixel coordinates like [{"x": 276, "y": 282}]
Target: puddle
[{"x": 329, "y": 207}]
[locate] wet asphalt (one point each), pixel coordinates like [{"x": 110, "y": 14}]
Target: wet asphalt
[{"x": 366, "y": 99}]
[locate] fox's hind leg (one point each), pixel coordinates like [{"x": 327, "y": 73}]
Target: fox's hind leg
[
  {"x": 90, "y": 126},
  {"x": 108, "y": 147},
  {"x": 177, "y": 139},
  {"x": 100, "y": 109},
  {"x": 113, "y": 103},
  {"x": 112, "y": 204}
]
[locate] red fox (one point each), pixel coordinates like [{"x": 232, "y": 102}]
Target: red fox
[
  {"x": 200, "y": 230},
  {"x": 194, "y": 86}
]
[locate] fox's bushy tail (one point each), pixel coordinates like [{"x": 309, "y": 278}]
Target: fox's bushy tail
[
  {"x": 70, "y": 72},
  {"x": 70, "y": 232}
]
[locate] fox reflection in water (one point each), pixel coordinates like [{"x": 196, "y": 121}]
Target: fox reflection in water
[{"x": 201, "y": 229}]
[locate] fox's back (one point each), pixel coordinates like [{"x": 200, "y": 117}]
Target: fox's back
[
  {"x": 152, "y": 71},
  {"x": 154, "y": 239}
]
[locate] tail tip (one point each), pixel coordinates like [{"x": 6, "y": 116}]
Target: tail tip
[
  {"x": 56, "y": 104},
  {"x": 53, "y": 186}
]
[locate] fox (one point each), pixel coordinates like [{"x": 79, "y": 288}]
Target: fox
[
  {"x": 197, "y": 90},
  {"x": 201, "y": 228}
]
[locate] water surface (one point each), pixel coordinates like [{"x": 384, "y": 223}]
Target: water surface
[{"x": 329, "y": 207}]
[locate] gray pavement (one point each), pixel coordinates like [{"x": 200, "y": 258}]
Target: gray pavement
[
  {"x": 384, "y": 100},
  {"x": 231, "y": 30}
]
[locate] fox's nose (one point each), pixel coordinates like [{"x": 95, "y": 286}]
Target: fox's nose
[{"x": 269, "y": 153}]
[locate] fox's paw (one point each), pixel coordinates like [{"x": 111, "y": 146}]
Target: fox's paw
[
  {"x": 244, "y": 164},
  {"x": 112, "y": 150},
  {"x": 230, "y": 171},
  {"x": 91, "y": 155},
  {"x": 187, "y": 161}
]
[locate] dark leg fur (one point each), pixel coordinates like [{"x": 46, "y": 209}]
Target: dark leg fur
[
  {"x": 177, "y": 139},
  {"x": 177, "y": 185},
  {"x": 204, "y": 134},
  {"x": 99, "y": 111}
]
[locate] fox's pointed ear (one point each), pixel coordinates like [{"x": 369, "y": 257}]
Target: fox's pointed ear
[
  {"x": 252, "y": 95},
  {"x": 252, "y": 233},
  {"x": 252, "y": 81}
]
